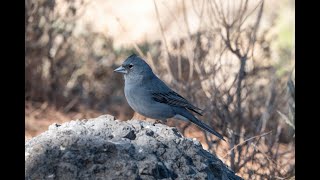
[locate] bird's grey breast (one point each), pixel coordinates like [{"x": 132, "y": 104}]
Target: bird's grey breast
[
  {"x": 140, "y": 99},
  {"x": 136, "y": 96}
]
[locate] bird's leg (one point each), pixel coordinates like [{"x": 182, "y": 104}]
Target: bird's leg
[
  {"x": 138, "y": 116},
  {"x": 152, "y": 121},
  {"x": 161, "y": 121},
  {"x": 156, "y": 121}
]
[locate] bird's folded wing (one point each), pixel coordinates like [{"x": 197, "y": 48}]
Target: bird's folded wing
[{"x": 174, "y": 99}]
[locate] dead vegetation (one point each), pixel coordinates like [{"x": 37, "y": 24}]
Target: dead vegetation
[{"x": 227, "y": 68}]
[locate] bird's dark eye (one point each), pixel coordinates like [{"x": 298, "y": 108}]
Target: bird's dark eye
[{"x": 130, "y": 66}]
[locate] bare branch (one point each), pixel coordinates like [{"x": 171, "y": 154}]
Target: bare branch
[
  {"x": 164, "y": 40},
  {"x": 255, "y": 29},
  {"x": 240, "y": 144}
]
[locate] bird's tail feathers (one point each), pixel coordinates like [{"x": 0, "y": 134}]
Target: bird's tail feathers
[
  {"x": 196, "y": 110},
  {"x": 201, "y": 124}
]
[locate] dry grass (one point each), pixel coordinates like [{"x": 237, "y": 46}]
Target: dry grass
[{"x": 221, "y": 56}]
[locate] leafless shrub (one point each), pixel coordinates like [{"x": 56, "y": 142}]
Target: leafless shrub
[
  {"x": 227, "y": 71},
  {"x": 224, "y": 68},
  {"x": 65, "y": 68}
]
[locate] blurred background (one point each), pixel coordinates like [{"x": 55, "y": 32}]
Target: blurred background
[{"x": 233, "y": 59}]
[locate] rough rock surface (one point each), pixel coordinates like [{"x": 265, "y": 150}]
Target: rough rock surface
[{"x": 105, "y": 148}]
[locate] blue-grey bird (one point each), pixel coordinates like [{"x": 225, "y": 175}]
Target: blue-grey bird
[{"x": 151, "y": 97}]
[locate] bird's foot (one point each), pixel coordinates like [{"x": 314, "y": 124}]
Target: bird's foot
[{"x": 156, "y": 121}]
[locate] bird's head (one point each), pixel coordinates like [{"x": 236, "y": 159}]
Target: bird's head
[{"x": 134, "y": 68}]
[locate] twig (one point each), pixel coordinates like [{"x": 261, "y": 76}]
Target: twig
[
  {"x": 190, "y": 50},
  {"x": 240, "y": 144},
  {"x": 256, "y": 26},
  {"x": 164, "y": 39},
  {"x": 286, "y": 119},
  {"x": 268, "y": 157}
]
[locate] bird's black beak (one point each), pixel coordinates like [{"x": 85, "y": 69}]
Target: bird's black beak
[{"x": 121, "y": 70}]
